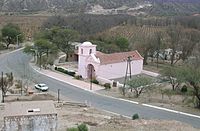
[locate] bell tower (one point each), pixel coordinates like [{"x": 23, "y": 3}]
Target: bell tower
[{"x": 84, "y": 51}]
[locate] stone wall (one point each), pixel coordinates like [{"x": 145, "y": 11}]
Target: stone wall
[{"x": 31, "y": 123}]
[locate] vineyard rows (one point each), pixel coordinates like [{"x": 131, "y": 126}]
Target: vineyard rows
[
  {"x": 28, "y": 24},
  {"x": 131, "y": 32}
]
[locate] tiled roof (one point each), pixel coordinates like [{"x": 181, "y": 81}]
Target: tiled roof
[{"x": 118, "y": 57}]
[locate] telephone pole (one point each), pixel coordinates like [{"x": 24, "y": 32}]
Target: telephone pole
[
  {"x": 2, "y": 88},
  {"x": 128, "y": 67},
  {"x": 58, "y": 95},
  {"x": 91, "y": 78}
]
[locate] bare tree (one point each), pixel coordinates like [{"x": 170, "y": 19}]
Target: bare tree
[
  {"x": 175, "y": 36},
  {"x": 171, "y": 73},
  {"x": 138, "y": 84},
  {"x": 158, "y": 45},
  {"x": 190, "y": 40},
  {"x": 6, "y": 83}
]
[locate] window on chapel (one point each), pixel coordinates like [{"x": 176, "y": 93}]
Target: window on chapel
[{"x": 90, "y": 51}]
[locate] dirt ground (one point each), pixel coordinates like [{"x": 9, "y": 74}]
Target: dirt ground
[
  {"x": 155, "y": 97},
  {"x": 70, "y": 114}
]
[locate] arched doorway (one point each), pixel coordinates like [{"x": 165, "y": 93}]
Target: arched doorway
[{"x": 90, "y": 71}]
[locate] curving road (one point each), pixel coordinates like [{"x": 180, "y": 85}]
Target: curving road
[{"x": 18, "y": 63}]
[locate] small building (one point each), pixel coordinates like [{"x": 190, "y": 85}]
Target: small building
[
  {"x": 72, "y": 56},
  {"x": 168, "y": 53},
  {"x": 92, "y": 63},
  {"x": 30, "y": 116}
]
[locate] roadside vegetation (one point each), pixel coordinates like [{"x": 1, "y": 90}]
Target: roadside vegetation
[{"x": 10, "y": 34}]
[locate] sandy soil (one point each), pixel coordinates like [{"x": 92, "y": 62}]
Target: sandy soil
[
  {"x": 155, "y": 97},
  {"x": 70, "y": 114}
]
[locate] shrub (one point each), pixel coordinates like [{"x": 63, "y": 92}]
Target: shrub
[
  {"x": 61, "y": 70},
  {"x": 122, "y": 89},
  {"x": 184, "y": 89},
  {"x": 18, "y": 84},
  {"x": 73, "y": 129},
  {"x": 82, "y": 127},
  {"x": 95, "y": 81},
  {"x": 107, "y": 86},
  {"x": 71, "y": 73},
  {"x": 135, "y": 116},
  {"x": 78, "y": 77},
  {"x": 2, "y": 47}
]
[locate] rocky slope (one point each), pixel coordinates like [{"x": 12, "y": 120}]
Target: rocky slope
[{"x": 149, "y": 7}]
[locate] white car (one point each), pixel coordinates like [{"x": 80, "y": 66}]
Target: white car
[{"x": 42, "y": 87}]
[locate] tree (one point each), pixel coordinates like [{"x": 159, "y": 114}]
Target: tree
[
  {"x": 189, "y": 41},
  {"x": 11, "y": 34},
  {"x": 139, "y": 84},
  {"x": 158, "y": 45},
  {"x": 6, "y": 82},
  {"x": 175, "y": 36},
  {"x": 56, "y": 20},
  {"x": 122, "y": 43},
  {"x": 145, "y": 45},
  {"x": 191, "y": 76},
  {"x": 30, "y": 50},
  {"x": 63, "y": 39},
  {"x": 171, "y": 73},
  {"x": 106, "y": 46},
  {"x": 42, "y": 47}
]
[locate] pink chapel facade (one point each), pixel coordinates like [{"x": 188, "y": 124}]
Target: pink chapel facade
[{"x": 92, "y": 63}]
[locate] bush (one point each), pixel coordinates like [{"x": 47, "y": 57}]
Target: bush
[
  {"x": 184, "y": 89},
  {"x": 95, "y": 81},
  {"x": 73, "y": 129},
  {"x": 135, "y": 116},
  {"x": 107, "y": 86},
  {"x": 2, "y": 47},
  {"x": 18, "y": 84},
  {"x": 82, "y": 127},
  {"x": 78, "y": 77},
  {"x": 61, "y": 70},
  {"x": 71, "y": 73}
]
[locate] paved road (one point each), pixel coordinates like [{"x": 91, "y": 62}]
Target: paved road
[{"x": 17, "y": 62}]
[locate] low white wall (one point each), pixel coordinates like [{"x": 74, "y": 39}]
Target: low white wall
[
  {"x": 46, "y": 122},
  {"x": 104, "y": 80},
  {"x": 150, "y": 73}
]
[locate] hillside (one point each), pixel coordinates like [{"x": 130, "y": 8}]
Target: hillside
[
  {"x": 28, "y": 24},
  {"x": 131, "y": 32},
  {"x": 132, "y": 7}
]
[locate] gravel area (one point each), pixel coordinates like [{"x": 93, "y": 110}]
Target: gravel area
[{"x": 71, "y": 114}]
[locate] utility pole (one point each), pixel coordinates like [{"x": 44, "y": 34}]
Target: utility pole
[
  {"x": 128, "y": 67},
  {"x": 2, "y": 87},
  {"x": 58, "y": 95},
  {"x": 91, "y": 78},
  {"x": 40, "y": 61},
  {"x": 18, "y": 40},
  {"x": 21, "y": 88}
]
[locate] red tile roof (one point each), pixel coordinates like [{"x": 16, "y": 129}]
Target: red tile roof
[{"x": 117, "y": 57}]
